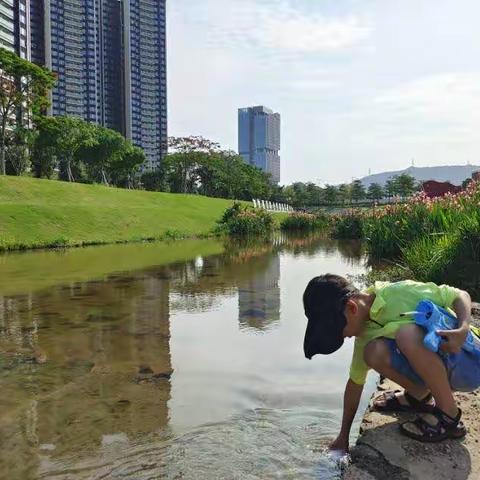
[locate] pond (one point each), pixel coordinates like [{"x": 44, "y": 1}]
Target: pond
[{"x": 179, "y": 360}]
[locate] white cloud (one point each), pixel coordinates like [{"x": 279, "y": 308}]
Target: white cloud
[
  {"x": 290, "y": 30},
  {"x": 445, "y": 105},
  {"x": 276, "y": 25}
]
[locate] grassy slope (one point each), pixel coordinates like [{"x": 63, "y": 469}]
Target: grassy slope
[{"x": 36, "y": 213}]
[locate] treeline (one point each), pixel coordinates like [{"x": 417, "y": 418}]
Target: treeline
[
  {"x": 304, "y": 195},
  {"x": 199, "y": 166},
  {"x": 77, "y": 151}
]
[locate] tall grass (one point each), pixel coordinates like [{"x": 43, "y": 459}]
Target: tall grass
[
  {"x": 391, "y": 230},
  {"x": 450, "y": 258},
  {"x": 304, "y": 222},
  {"x": 432, "y": 239},
  {"x": 349, "y": 225}
]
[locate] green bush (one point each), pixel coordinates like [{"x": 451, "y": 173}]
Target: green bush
[
  {"x": 304, "y": 222},
  {"x": 349, "y": 225},
  {"x": 245, "y": 221}
]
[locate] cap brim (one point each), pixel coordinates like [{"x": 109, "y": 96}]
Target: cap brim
[{"x": 322, "y": 337}]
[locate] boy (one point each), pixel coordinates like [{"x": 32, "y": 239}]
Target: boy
[{"x": 392, "y": 344}]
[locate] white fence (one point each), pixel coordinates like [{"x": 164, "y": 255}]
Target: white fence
[{"x": 272, "y": 206}]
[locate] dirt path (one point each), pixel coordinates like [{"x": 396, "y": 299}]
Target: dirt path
[{"x": 382, "y": 453}]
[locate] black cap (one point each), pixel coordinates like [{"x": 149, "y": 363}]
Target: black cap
[{"x": 324, "y": 302}]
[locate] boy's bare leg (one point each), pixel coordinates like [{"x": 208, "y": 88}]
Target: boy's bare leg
[
  {"x": 377, "y": 356},
  {"x": 428, "y": 365}
]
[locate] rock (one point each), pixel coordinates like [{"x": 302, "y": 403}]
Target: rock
[
  {"x": 145, "y": 370},
  {"x": 383, "y": 453}
]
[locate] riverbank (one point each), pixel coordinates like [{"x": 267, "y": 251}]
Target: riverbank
[
  {"x": 382, "y": 452},
  {"x": 38, "y": 213}
]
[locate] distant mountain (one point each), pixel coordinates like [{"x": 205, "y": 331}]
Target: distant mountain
[{"x": 455, "y": 174}]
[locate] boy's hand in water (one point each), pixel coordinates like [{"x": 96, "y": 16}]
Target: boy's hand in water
[{"x": 339, "y": 444}]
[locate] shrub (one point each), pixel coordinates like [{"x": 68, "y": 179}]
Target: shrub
[
  {"x": 304, "y": 222},
  {"x": 349, "y": 225},
  {"x": 245, "y": 221}
]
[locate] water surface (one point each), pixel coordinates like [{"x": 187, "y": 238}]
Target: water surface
[{"x": 179, "y": 360}]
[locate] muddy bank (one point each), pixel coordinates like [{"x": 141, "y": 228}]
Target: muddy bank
[{"x": 383, "y": 453}]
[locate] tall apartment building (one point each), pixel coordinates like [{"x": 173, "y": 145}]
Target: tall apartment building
[
  {"x": 7, "y": 24},
  {"x": 22, "y": 28},
  {"x": 15, "y": 26},
  {"x": 259, "y": 139},
  {"x": 110, "y": 59}
]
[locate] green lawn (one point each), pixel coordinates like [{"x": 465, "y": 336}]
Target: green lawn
[{"x": 40, "y": 213}]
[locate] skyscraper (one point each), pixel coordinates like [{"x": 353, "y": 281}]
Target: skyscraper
[
  {"x": 110, "y": 58},
  {"x": 22, "y": 28},
  {"x": 7, "y": 24},
  {"x": 259, "y": 139},
  {"x": 146, "y": 87}
]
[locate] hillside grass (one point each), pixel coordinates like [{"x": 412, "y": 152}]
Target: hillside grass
[{"x": 46, "y": 213}]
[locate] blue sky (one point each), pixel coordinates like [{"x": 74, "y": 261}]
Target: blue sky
[{"x": 361, "y": 84}]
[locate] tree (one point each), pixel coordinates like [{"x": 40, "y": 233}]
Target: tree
[
  {"x": 180, "y": 171},
  {"x": 301, "y": 194},
  {"x": 24, "y": 90},
  {"x": 124, "y": 168},
  {"x": 330, "y": 194},
  {"x": 193, "y": 144},
  {"x": 17, "y": 156},
  {"x": 198, "y": 165},
  {"x": 105, "y": 148},
  {"x": 375, "y": 192},
  {"x": 406, "y": 185},
  {"x": 44, "y": 160},
  {"x": 278, "y": 194},
  {"x": 314, "y": 194},
  {"x": 180, "y": 167},
  {"x": 357, "y": 191},
  {"x": 154, "y": 181},
  {"x": 391, "y": 187},
  {"x": 63, "y": 138},
  {"x": 343, "y": 191}
]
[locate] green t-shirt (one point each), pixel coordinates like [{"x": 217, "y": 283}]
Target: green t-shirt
[{"x": 393, "y": 299}]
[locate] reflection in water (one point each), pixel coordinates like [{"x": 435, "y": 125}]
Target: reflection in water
[
  {"x": 259, "y": 295},
  {"x": 96, "y": 361},
  {"x": 96, "y": 382}
]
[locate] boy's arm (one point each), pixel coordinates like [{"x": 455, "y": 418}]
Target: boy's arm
[
  {"x": 456, "y": 338},
  {"x": 351, "y": 400}
]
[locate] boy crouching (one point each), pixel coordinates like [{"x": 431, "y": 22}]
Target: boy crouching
[{"x": 392, "y": 344}]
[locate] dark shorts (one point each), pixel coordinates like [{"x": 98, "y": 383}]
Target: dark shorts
[{"x": 463, "y": 368}]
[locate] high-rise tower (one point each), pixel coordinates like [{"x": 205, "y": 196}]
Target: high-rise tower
[
  {"x": 259, "y": 139},
  {"x": 7, "y": 24},
  {"x": 110, "y": 58}
]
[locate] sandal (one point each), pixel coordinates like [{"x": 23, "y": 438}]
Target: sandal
[
  {"x": 435, "y": 427},
  {"x": 393, "y": 404}
]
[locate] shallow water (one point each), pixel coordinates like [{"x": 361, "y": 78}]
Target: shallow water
[{"x": 115, "y": 363}]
